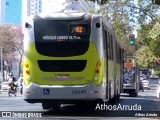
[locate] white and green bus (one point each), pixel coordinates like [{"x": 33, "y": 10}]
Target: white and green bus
[{"x": 70, "y": 58}]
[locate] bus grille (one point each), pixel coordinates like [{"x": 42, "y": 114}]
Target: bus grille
[{"x": 62, "y": 65}]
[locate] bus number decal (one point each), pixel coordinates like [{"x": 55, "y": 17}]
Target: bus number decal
[
  {"x": 79, "y": 91},
  {"x": 79, "y": 29}
]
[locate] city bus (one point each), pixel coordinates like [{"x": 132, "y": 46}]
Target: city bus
[{"x": 71, "y": 58}]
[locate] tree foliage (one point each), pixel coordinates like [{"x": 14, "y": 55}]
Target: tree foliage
[
  {"x": 11, "y": 43},
  {"x": 149, "y": 35},
  {"x": 101, "y": 2},
  {"x": 154, "y": 36},
  {"x": 156, "y": 2},
  {"x": 148, "y": 11},
  {"x": 145, "y": 58},
  {"x": 117, "y": 13},
  {"x": 126, "y": 16}
]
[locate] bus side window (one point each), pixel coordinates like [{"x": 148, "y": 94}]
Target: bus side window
[
  {"x": 118, "y": 51},
  {"x": 111, "y": 46},
  {"x": 105, "y": 40}
]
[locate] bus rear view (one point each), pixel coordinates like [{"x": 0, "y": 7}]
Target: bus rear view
[{"x": 61, "y": 63}]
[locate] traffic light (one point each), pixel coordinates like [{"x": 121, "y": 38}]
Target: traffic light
[{"x": 131, "y": 39}]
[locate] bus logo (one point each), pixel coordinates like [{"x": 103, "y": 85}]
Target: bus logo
[{"x": 62, "y": 76}]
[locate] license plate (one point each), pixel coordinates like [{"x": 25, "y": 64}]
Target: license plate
[{"x": 62, "y": 76}]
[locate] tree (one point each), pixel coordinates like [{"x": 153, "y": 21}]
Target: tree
[
  {"x": 149, "y": 36},
  {"x": 148, "y": 11},
  {"x": 117, "y": 13},
  {"x": 156, "y": 2},
  {"x": 154, "y": 36},
  {"x": 126, "y": 16},
  {"x": 11, "y": 41},
  {"x": 101, "y": 2},
  {"x": 146, "y": 59}
]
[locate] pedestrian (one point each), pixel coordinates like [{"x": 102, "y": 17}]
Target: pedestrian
[
  {"x": 20, "y": 83},
  {"x": 12, "y": 85},
  {"x": 141, "y": 86},
  {"x": 12, "y": 80},
  {"x": 126, "y": 77}
]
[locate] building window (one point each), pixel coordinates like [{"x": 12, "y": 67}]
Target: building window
[{"x": 7, "y": 3}]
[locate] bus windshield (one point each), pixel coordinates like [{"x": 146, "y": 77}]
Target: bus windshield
[{"x": 61, "y": 37}]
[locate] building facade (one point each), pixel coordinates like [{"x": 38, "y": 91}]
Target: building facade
[
  {"x": 49, "y": 6},
  {"x": 2, "y": 11},
  {"x": 33, "y": 7},
  {"x": 30, "y": 7},
  {"x": 11, "y": 12}
]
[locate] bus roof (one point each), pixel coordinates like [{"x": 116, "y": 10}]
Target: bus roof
[{"x": 63, "y": 16}]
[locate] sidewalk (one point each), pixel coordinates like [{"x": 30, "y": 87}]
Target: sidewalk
[
  {"x": 5, "y": 93},
  {"x": 3, "y": 90}
]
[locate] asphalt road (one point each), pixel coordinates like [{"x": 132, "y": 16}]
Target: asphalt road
[{"x": 145, "y": 103}]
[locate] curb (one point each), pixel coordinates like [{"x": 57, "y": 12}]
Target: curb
[
  {"x": 6, "y": 95},
  {"x": 3, "y": 90}
]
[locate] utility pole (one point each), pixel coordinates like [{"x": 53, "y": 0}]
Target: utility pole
[{"x": 2, "y": 78}]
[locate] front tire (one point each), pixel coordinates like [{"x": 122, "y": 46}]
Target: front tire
[
  {"x": 46, "y": 105},
  {"x": 135, "y": 94},
  {"x": 130, "y": 94},
  {"x": 56, "y": 106}
]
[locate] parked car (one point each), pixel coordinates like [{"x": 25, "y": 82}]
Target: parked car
[
  {"x": 145, "y": 84},
  {"x": 141, "y": 78},
  {"x": 158, "y": 91},
  {"x": 4, "y": 86},
  {"x": 141, "y": 86},
  {"x": 144, "y": 77},
  {"x": 154, "y": 77},
  {"x": 147, "y": 73}
]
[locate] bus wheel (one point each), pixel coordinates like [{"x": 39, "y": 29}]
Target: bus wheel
[
  {"x": 114, "y": 99},
  {"x": 135, "y": 94},
  {"x": 56, "y": 106},
  {"x": 45, "y": 105},
  {"x": 130, "y": 94},
  {"x": 118, "y": 96}
]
